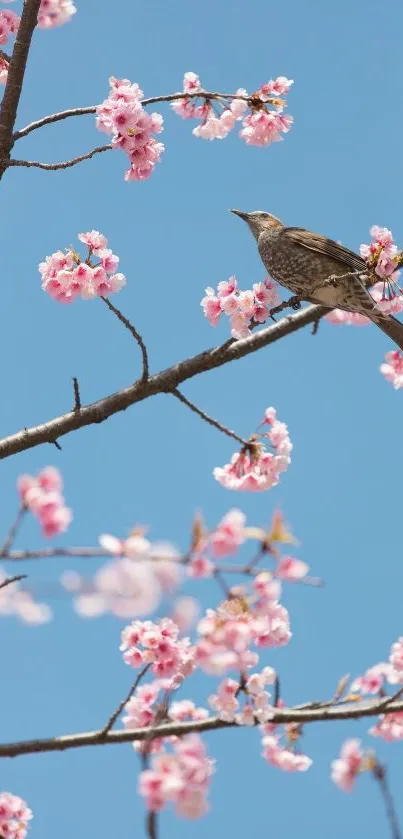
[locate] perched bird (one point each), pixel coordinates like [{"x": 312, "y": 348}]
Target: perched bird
[{"x": 315, "y": 268}]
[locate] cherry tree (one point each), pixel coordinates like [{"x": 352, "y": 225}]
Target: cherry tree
[{"x": 230, "y": 640}]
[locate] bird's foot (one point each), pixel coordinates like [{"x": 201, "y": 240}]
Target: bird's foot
[{"x": 295, "y": 303}]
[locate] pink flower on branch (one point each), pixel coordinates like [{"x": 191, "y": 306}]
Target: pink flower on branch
[
  {"x": 15, "y": 816},
  {"x": 43, "y": 497},
  {"x": 181, "y": 778},
  {"x": 392, "y": 368},
  {"x": 53, "y": 13},
  {"x": 131, "y": 126},
  {"x": 254, "y": 468},
  {"x": 244, "y": 308},
  {"x": 65, "y": 276},
  {"x": 219, "y": 114},
  {"x": 351, "y": 762}
]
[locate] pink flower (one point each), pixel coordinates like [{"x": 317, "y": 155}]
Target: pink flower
[
  {"x": 389, "y": 727},
  {"x": 211, "y": 306},
  {"x": 42, "y": 496},
  {"x": 392, "y": 368},
  {"x": 373, "y": 679},
  {"x": 283, "y": 758},
  {"x": 200, "y": 567},
  {"x": 276, "y": 87},
  {"x": 254, "y": 468},
  {"x": 64, "y": 276},
  {"x": 14, "y": 816},
  {"x": 229, "y": 534},
  {"x": 291, "y": 569},
  {"x": 346, "y": 768},
  {"x": 54, "y": 13},
  {"x": 240, "y": 326},
  {"x": 171, "y": 658},
  {"x": 263, "y": 127},
  {"x": 338, "y": 317},
  {"x": 131, "y": 126},
  {"x": 396, "y": 657},
  {"x": 182, "y": 778},
  {"x": 191, "y": 83},
  {"x": 3, "y": 70},
  {"x": 227, "y": 287}
]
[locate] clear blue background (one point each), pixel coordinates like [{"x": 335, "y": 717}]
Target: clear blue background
[{"x": 338, "y": 171}]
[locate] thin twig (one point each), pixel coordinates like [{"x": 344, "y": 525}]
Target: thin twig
[
  {"x": 10, "y": 580},
  {"x": 207, "y": 418},
  {"x": 162, "y": 382},
  {"x": 77, "y": 398},
  {"x": 327, "y": 713},
  {"x": 15, "y": 78},
  {"x": 112, "y": 719},
  {"x": 388, "y": 699},
  {"x": 53, "y": 167},
  {"x": 5, "y": 56},
  {"x": 136, "y": 335},
  {"x": 379, "y": 773},
  {"x": 13, "y": 531},
  {"x": 151, "y": 824}
]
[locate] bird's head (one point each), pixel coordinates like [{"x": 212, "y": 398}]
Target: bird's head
[{"x": 259, "y": 221}]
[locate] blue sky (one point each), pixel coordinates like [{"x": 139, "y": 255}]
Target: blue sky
[{"x": 338, "y": 171}]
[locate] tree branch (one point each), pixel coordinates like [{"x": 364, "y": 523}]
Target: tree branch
[
  {"x": 112, "y": 719},
  {"x": 13, "y": 531},
  {"x": 300, "y": 716},
  {"x": 162, "y": 382},
  {"x": 207, "y": 418},
  {"x": 53, "y": 167},
  {"x": 10, "y": 580},
  {"x": 136, "y": 335},
  {"x": 379, "y": 773},
  {"x": 91, "y": 109},
  {"x": 15, "y": 78}
]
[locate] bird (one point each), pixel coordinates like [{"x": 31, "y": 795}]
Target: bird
[{"x": 318, "y": 269}]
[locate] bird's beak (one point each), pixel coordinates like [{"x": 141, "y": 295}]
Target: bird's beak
[{"x": 240, "y": 214}]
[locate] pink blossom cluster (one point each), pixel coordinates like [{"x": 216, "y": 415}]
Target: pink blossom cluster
[
  {"x": 223, "y": 541},
  {"x": 227, "y": 633},
  {"x": 244, "y": 308},
  {"x": 181, "y": 777},
  {"x": 285, "y": 757},
  {"x": 382, "y": 257},
  {"x": 146, "y": 642},
  {"x": 65, "y": 276},
  {"x": 53, "y": 13},
  {"x": 351, "y": 762},
  {"x": 256, "y": 706},
  {"x": 392, "y": 368},
  {"x": 14, "y": 816},
  {"x": 254, "y": 468},
  {"x": 20, "y": 602},
  {"x": 43, "y": 497},
  {"x": 141, "y": 711},
  {"x": 218, "y": 114},
  {"x": 133, "y": 584},
  {"x": 123, "y": 116},
  {"x": 9, "y": 23},
  {"x": 389, "y": 726}
]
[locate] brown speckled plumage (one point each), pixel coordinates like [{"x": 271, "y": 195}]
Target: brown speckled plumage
[{"x": 306, "y": 264}]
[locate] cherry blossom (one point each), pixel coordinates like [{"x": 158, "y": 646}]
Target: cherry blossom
[
  {"x": 43, "y": 497},
  {"x": 350, "y": 763},
  {"x": 389, "y": 727},
  {"x": 396, "y": 658},
  {"x": 226, "y": 634},
  {"x": 131, "y": 126},
  {"x": 244, "y": 308},
  {"x": 229, "y": 534},
  {"x": 254, "y": 468},
  {"x": 54, "y": 13},
  {"x": 14, "y": 816},
  {"x": 283, "y": 757},
  {"x": 181, "y": 777},
  {"x": 20, "y": 602},
  {"x": 158, "y": 644},
  {"x": 255, "y": 709},
  {"x": 133, "y": 584},
  {"x": 291, "y": 569},
  {"x": 219, "y": 114},
  {"x": 392, "y": 368},
  {"x": 9, "y": 23},
  {"x": 65, "y": 276},
  {"x": 373, "y": 679}
]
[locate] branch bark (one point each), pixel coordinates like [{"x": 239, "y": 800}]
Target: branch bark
[
  {"x": 15, "y": 78},
  {"x": 163, "y": 382},
  {"x": 300, "y": 716}
]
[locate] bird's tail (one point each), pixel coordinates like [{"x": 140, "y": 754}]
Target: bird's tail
[{"x": 389, "y": 325}]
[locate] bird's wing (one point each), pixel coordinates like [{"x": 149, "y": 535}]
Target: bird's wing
[{"x": 320, "y": 244}]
